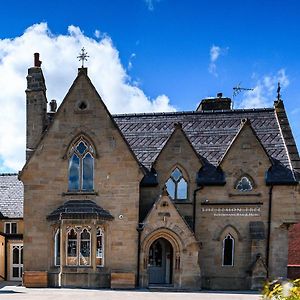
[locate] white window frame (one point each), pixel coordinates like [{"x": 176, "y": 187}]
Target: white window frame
[
  {"x": 223, "y": 250},
  {"x": 19, "y": 265},
  {"x": 10, "y": 227}
]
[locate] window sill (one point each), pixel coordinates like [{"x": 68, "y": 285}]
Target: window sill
[
  {"x": 244, "y": 194},
  {"x": 70, "y": 193},
  {"x": 182, "y": 202}
]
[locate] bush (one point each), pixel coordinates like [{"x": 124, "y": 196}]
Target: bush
[{"x": 282, "y": 290}]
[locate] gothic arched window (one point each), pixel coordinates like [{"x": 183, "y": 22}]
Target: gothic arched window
[
  {"x": 177, "y": 186},
  {"x": 85, "y": 248},
  {"x": 100, "y": 248},
  {"x": 72, "y": 248},
  {"x": 57, "y": 248},
  {"x": 244, "y": 184},
  {"x": 228, "y": 250},
  {"x": 81, "y": 166}
]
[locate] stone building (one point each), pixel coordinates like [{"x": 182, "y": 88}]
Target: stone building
[
  {"x": 188, "y": 200},
  {"x": 11, "y": 227}
]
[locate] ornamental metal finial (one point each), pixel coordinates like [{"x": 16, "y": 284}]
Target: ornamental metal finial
[
  {"x": 82, "y": 57},
  {"x": 278, "y": 91}
]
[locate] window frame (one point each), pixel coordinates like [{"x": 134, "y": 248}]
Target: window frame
[
  {"x": 103, "y": 247},
  {"x": 176, "y": 183},
  {"x": 232, "y": 250},
  {"x": 239, "y": 181},
  {"x": 78, "y": 231},
  {"x": 10, "y": 227},
  {"x": 56, "y": 249},
  {"x": 90, "y": 149}
]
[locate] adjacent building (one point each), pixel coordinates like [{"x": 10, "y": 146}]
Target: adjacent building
[{"x": 11, "y": 227}]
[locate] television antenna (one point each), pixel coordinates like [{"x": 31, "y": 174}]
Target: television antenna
[{"x": 238, "y": 89}]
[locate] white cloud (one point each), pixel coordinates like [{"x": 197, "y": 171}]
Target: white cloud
[
  {"x": 265, "y": 91},
  {"x": 129, "y": 66},
  {"x": 97, "y": 33},
  {"x": 58, "y": 54},
  {"x": 150, "y": 4},
  {"x": 214, "y": 53}
]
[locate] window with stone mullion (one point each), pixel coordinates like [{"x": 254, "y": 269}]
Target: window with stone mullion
[{"x": 81, "y": 167}]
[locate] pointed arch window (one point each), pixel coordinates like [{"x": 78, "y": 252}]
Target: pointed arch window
[
  {"x": 85, "y": 248},
  {"x": 81, "y": 166},
  {"x": 57, "y": 248},
  {"x": 228, "y": 250},
  {"x": 177, "y": 186},
  {"x": 72, "y": 248},
  {"x": 100, "y": 248},
  {"x": 244, "y": 185}
]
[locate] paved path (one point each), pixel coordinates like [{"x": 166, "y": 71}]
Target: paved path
[{"x": 18, "y": 292}]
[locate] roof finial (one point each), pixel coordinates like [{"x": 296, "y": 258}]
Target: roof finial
[
  {"x": 82, "y": 57},
  {"x": 278, "y": 91}
]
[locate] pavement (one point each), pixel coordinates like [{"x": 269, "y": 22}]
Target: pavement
[{"x": 9, "y": 290}]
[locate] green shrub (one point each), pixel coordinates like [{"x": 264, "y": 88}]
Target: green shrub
[{"x": 282, "y": 290}]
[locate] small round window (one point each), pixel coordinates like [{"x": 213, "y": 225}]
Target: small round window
[{"x": 82, "y": 105}]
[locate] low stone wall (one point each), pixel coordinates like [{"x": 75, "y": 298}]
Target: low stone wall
[{"x": 294, "y": 271}]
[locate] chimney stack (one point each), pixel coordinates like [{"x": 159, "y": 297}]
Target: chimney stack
[
  {"x": 36, "y": 106},
  {"x": 217, "y": 103}
]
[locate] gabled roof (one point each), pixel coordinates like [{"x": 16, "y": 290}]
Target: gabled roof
[
  {"x": 210, "y": 132},
  {"x": 11, "y": 196}
]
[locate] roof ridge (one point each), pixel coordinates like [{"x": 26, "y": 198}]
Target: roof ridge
[
  {"x": 170, "y": 113},
  {"x": 8, "y": 174}
]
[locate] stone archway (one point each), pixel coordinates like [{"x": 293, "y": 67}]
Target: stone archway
[{"x": 167, "y": 270}]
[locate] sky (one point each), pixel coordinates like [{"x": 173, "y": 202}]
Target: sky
[{"x": 149, "y": 55}]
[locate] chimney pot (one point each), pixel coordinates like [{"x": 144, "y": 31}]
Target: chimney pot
[
  {"x": 53, "y": 105},
  {"x": 219, "y": 95},
  {"x": 37, "y": 62}
]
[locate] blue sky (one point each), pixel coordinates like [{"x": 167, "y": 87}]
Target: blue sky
[{"x": 182, "y": 50}]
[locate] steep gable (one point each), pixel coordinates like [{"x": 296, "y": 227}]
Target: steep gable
[
  {"x": 164, "y": 214},
  {"x": 82, "y": 111},
  {"x": 247, "y": 147}
]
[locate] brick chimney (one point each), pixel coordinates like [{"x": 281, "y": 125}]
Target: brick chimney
[
  {"x": 36, "y": 106},
  {"x": 217, "y": 103}
]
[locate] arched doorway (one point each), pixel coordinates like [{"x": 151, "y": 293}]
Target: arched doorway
[{"x": 160, "y": 264}]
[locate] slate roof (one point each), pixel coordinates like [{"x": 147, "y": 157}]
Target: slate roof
[
  {"x": 11, "y": 196},
  {"x": 210, "y": 132},
  {"x": 80, "y": 209}
]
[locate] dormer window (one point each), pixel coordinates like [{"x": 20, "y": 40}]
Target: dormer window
[
  {"x": 177, "y": 186},
  {"x": 244, "y": 184},
  {"x": 81, "y": 166}
]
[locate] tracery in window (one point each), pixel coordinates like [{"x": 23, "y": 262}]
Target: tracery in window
[
  {"x": 244, "y": 184},
  {"x": 228, "y": 250},
  {"x": 100, "y": 248},
  {"x": 72, "y": 248},
  {"x": 85, "y": 248},
  {"x": 79, "y": 247},
  {"x": 81, "y": 166},
  {"x": 57, "y": 248},
  {"x": 177, "y": 185}
]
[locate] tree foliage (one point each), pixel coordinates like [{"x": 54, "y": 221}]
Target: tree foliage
[{"x": 282, "y": 290}]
